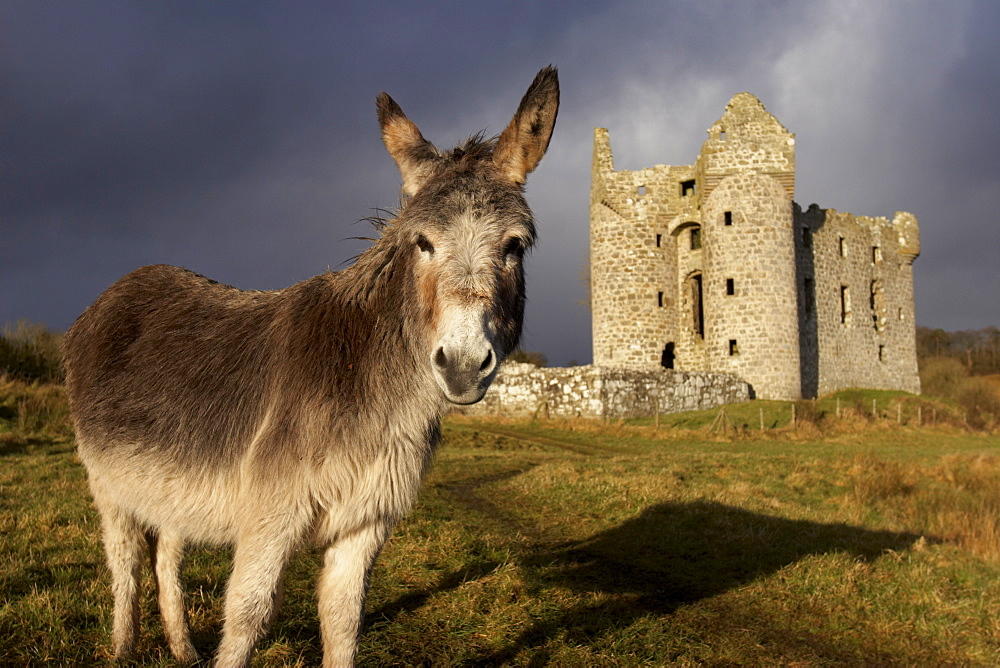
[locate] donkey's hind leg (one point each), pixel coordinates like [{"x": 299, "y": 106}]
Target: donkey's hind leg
[
  {"x": 123, "y": 545},
  {"x": 167, "y": 553}
]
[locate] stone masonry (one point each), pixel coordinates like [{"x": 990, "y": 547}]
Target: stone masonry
[
  {"x": 713, "y": 268},
  {"x": 597, "y": 392}
]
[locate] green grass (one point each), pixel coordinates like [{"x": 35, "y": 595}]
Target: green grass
[
  {"x": 842, "y": 410},
  {"x": 578, "y": 543}
]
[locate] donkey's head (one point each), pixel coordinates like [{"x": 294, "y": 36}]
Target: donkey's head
[{"x": 468, "y": 226}]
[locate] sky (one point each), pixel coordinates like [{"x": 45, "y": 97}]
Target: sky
[{"x": 240, "y": 140}]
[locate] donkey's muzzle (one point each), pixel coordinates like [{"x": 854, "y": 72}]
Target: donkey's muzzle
[{"x": 464, "y": 369}]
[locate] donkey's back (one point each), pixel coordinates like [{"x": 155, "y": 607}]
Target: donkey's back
[{"x": 163, "y": 354}]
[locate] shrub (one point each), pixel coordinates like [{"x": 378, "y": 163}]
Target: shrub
[
  {"x": 31, "y": 351},
  {"x": 528, "y": 356},
  {"x": 806, "y": 412},
  {"x": 942, "y": 376},
  {"x": 981, "y": 402},
  {"x": 32, "y": 409}
]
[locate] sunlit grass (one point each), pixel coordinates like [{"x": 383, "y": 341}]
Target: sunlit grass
[{"x": 582, "y": 543}]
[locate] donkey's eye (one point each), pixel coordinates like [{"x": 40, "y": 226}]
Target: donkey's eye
[
  {"x": 424, "y": 245},
  {"x": 514, "y": 247}
]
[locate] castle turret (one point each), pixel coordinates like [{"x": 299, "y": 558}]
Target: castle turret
[
  {"x": 629, "y": 263},
  {"x": 907, "y": 375},
  {"x": 605, "y": 232},
  {"x": 747, "y": 171},
  {"x": 747, "y": 138},
  {"x": 603, "y": 161},
  {"x": 908, "y": 231}
]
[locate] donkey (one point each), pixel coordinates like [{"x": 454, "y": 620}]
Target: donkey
[{"x": 264, "y": 420}]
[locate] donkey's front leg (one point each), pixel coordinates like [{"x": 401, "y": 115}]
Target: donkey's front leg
[
  {"x": 343, "y": 585},
  {"x": 252, "y": 595}
]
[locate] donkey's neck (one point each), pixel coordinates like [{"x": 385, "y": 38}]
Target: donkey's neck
[{"x": 355, "y": 338}]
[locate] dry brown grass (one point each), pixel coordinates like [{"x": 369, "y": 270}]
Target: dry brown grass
[{"x": 956, "y": 499}]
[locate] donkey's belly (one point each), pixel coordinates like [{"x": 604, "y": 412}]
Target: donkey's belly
[{"x": 205, "y": 506}]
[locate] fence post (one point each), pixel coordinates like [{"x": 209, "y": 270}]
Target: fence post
[
  {"x": 761, "y": 418},
  {"x": 920, "y": 416},
  {"x": 793, "y": 417},
  {"x": 899, "y": 413},
  {"x": 874, "y": 409},
  {"x": 656, "y": 409}
]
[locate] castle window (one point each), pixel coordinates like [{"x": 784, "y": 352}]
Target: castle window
[
  {"x": 845, "y": 304},
  {"x": 687, "y": 188},
  {"x": 667, "y": 356},
  {"x": 876, "y": 255},
  {"x": 878, "y": 305},
  {"x": 730, "y": 287},
  {"x": 807, "y": 237},
  {"x": 697, "y": 306},
  {"x": 881, "y": 353},
  {"x": 733, "y": 348},
  {"x": 809, "y": 296},
  {"x": 659, "y": 299},
  {"x": 641, "y": 190},
  {"x": 901, "y": 317},
  {"x": 727, "y": 218},
  {"x": 722, "y": 135},
  {"x": 659, "y": 240},
  {"x": 695, "y": 238},
  {"x": 843, "y": 247}
]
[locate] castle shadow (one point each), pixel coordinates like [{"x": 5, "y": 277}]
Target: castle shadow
[{"x": 675, "y": 554}]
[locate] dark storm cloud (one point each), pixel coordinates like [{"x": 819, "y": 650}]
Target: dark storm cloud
[
  {"x": 161, "y": 107},
  {"x": 240, "y": 140}
]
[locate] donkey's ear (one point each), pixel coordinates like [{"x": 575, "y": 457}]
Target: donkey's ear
[
  {"x": 414, "y": 155},
  {"x": 522, "y": 144}
]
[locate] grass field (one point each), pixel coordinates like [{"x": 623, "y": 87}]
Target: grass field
[{"x": 579, "y": 543}]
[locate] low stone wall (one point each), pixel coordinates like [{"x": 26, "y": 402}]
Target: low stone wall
[{"x": 602, "y": 392}]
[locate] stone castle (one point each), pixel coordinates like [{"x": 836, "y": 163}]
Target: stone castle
[{"x": 712, "y": 267}]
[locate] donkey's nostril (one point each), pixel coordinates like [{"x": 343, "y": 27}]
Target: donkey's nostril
[
  {"x": 440, "y": 358},
  {"x": 486, "y": 362}
]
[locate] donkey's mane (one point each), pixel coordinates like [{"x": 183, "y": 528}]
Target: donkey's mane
[
  {"x": 464, "y": 156},
  {"x": 474, "y": 149}
]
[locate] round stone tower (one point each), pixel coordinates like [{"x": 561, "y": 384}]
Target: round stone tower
[
  {"x": 750, "y": 297},
  {"x": 747, "y": 168}
]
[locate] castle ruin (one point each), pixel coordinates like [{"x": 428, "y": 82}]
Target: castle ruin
[{"x": 712, "y": 267}]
